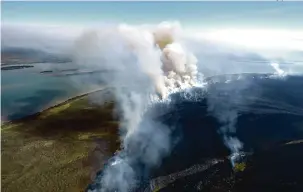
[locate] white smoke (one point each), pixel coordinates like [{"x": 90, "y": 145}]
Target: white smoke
[
  {"x": 278, "y": 71},
  {"x": 145, "y": 62},
  {"x": 149, "y": 61},
  {"x": 179, "y": 67},
  {"x": 225, "y": 99}
]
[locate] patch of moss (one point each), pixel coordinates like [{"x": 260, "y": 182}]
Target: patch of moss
[{"x": 239, "y": 167}]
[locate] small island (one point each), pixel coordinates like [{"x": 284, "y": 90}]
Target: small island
[
  {"x": 16, "y": 67},
  {"x": 58, "y": 71}
]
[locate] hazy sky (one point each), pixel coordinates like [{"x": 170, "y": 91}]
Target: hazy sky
[{"x": 280, "y": 15}]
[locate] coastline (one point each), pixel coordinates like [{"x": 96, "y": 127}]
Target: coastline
[
  {"x": 56, "y": 104},
  {"x": 61, "y": 146}
]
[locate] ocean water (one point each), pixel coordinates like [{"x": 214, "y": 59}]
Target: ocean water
[{"x": 27, "y": 91}]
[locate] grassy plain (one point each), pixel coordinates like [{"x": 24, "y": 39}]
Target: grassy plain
[{"x": 59, "y": 149}]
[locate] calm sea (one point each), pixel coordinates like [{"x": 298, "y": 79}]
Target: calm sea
[{"x": 27, "y": 91}]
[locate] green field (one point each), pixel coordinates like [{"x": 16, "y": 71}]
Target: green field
[{"x": 59, "y": 149}]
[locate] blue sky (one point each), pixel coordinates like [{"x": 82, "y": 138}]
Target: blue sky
[{"x": 282, "y": 15}]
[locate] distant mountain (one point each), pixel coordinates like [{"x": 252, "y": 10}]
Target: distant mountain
[{"x": 17, "y": 55}]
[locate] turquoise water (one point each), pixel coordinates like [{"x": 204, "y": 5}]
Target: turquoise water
[{"x": 26, "y": 91}]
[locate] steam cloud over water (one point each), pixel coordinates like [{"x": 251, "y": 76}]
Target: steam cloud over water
[{"x": 147, "y": 63}]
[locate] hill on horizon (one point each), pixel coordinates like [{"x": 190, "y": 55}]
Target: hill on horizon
[{"x": 21, "y": 55}]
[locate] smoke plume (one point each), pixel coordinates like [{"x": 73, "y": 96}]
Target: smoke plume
[
  {"x": 143, "y": 63},
  {"x": 150, "y": 61},
  {"x": 278, "y": 71},
  {"x": 225, "y": 100}
]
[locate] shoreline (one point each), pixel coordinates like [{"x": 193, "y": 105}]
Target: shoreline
[{"x": 52, "y": 106}]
